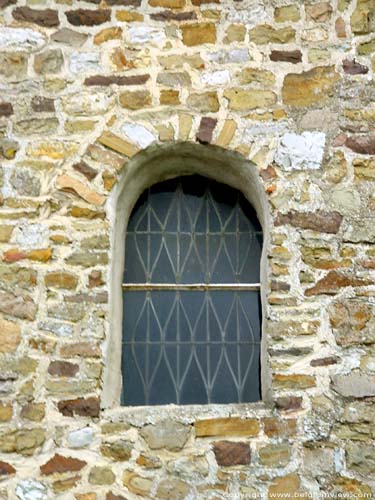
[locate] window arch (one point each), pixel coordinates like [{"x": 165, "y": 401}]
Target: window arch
[
  {"x": 192, "y": 315},
  {"x": 155, "y": 164}
]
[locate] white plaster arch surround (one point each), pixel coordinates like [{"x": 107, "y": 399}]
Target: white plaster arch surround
[{"x": 150, "y": 166}]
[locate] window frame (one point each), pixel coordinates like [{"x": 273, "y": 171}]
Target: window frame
[{"x": 156, "y": 164}]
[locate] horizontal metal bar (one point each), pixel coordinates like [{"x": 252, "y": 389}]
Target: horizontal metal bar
[{"x": 191, "y": 286}]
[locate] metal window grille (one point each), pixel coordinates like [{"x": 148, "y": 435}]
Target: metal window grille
[{"x": 191, "y": 296}]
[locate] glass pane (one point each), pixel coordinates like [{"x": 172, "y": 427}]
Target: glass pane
[
  {"x": 193, "y": 230},
  {"x": 188, "y": 347},
  {"x": 191, "y": 347}
]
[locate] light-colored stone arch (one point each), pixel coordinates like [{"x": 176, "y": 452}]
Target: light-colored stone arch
[{"x": 155, "y": 164}]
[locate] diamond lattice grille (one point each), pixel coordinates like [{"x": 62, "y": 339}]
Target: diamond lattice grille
[{"x": 188, "y": 346}]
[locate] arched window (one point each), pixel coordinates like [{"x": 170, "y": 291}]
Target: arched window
[{"x": 191, "y": 296}]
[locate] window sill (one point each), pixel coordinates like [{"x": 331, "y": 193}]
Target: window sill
[{"x": 142, "y": 415}]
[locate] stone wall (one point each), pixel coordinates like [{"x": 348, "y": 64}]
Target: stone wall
[{"x": 85, "y": 86}]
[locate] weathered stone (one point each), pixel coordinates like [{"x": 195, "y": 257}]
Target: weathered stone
[
  {"x": 101, "y": 475},
  {"x": 63, "y": 369},
  {"x": 287, "y": 13},
  {"x": 137, "y": 99},
  {"x": 21, "y": 39},
  {"x": 149, "y": 461},
  {"x": 319, "y": 12},
  {"x": 84, "y": 62},
  {"x": 85, "y": 169},
  {"x": 355, "y": 384},
  {"x": 226, "y": 426},
  {"x": 364, "y": 145},
  {"x": 49, "y": 61},
  {"x": 82, "y": 349},
  {"x": 47, "y": 17},
  {"x": 29, "y": 489},
  {"x": 275, "y": 455},
  {"x": 89, "y": 407},
  {"x": 137, "y": 484},
  {"x": 62, "y": 485},
  {"x": 5, "y": 233},
  {"x": 292, "y": 56},
  {"x": 168, "y": 434},
  {"x": 8, "y": 149},
  {"x": 144, "y": 34},
  {"x": 6, "y": 412},
  {"x": 60, "y": 279},
  {"x": 85, "y": 17},
  {"x": 334, "y": 281},
  {"x": 69, "y": 37},
  {"x": 6, "y": 109},
  {"x": 310, "y": 87},
  {"x": 228, "y": 453},
  {"x": 35, "y": 412},
  {"x": 351, "y": 321},
  {"x": 364, "y": 170},
  {"x": 169, "y": 97},
  {"x": 107, "y": 34},
  {"x": 112, "y": 496},
  {"x": 206, "y": 128},
  {"x": 10, "y": 336},
  {"x": 275, "y": 427},
  {"x": 299, "y": 152},
  {"x": 168, "y": 15},
  {"x": 361, "y": 230},
  {"x": 65, "y": 182},
  {"x": 101, "y": 80},
  {"x": 265, "y": 33},
  {"x": 24, "y": 441},
  {"x": 13, "y": 66},
  {"x": 204, "y": 102},
  {"x": 327, "y": 361},
  {"x": 286, "y": 486},
  {"x": 41, "y": 104},
  {"x": 361, "y": 458},
  {"x": 362, "y": 20},
  {"x": 18, "y": 306},
  {"x": 295, "y": 381},
  {"x": 173, "y": 488},
  {"x": 60, "y": 464},
  {"x": 67, "y": 312},
  {"x": 168, "y": 4},
  {"x": 198, "y": 34},
  {"x": 174, "y": 79},
  {"x": 288, "y": 403},
  {"x": 352, "y": 67},
  {"x": 246, "y": 100},
  {"x": 128, "y": 16},
  {"x": 321, "y": 221},
  {"x": 340, "y": 27},
  {"x": 6, "y": 469},
  {"x": 119, "y": 450}
]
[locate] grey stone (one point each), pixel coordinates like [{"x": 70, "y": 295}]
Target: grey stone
[
  {"x": 69, "y": 312},
  {"x": 69, "y": 37},
  {"x": 360, "y": 231},
  {"x": 21, "y": 39},
  {"x": 25, "y": 183},
  {"x": 60, "y": 329},
  {"x": 174, "y": 79},
  {"x": 355, "y": 384},
  {"x": 32, "y": 236},
  {"x": 29, "y": 489},
  {"x": 361, "y": 458},
  {"x": 167, "y": 434},
  {"x": 80, "y": 438}
]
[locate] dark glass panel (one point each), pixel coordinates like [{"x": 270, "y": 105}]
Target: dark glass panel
[
  {"x": 191, "y": 346},
  {"x": 185, "y": 340}
]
